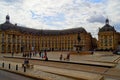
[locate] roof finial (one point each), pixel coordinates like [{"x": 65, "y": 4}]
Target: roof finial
[
  {"x": 107, "y": 21},
  {"x": 7, "y": 18}
]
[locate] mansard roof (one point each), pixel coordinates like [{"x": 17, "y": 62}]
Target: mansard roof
[
  {"x": 107, "y": 27},
  {"x": 9, "y": 26}
]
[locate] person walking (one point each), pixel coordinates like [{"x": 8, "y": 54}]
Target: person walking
[
  {"x": 30, "y": 54},
  {"x": 45, "y": 53},
  {"x": 61, "y": 56},
  {"x": 12, "y": 54},
  {"x": 68, "y": 56},
  {"x": 26, "y": 62},
  {"x": 40, "y": 54},
  {"x": 46, "y": 58}
]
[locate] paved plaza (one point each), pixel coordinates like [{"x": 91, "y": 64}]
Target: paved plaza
[{"x": 100, "y": 65}]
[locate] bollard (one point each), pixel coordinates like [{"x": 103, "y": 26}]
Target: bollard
[
  {"x": 3, "y": 64},
  {"x": 9, "y": 66},
  {"x": 16, "y": 67},
  {"x": 24, "y": 68}
]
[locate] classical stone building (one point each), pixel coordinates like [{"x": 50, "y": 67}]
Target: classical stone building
[
  {"x": 14, "y": 38},
  {"x": 108, "y": 38}
]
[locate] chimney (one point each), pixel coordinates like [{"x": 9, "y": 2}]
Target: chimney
[{"x": 15, "y": 24}]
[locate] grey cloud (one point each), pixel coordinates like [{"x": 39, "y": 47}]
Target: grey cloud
[
  {"x": 117, "y": 26},
  {"x": 11, "y": 1},
  {"x": 96, "y": 18}
]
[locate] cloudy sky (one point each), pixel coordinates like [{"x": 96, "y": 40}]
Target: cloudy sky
[{"x": 62, "y": 14}]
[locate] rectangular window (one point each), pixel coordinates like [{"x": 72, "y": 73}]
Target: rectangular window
[{"x": 110, "y": 40}]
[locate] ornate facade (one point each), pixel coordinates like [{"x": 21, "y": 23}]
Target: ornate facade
[
  {"x": 14, "y": 38},
  {"x": 108, "y": 38}
]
